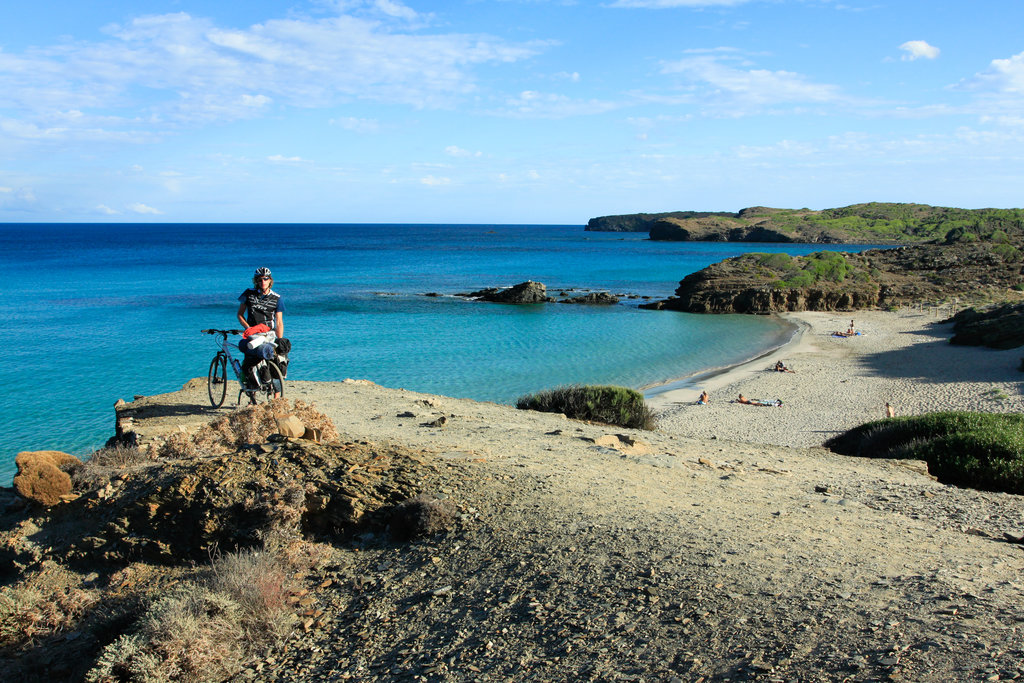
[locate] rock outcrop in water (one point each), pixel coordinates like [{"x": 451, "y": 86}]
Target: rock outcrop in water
[
  {"x": 592, "y": 299},
  {"x": 528, "y": 292}
]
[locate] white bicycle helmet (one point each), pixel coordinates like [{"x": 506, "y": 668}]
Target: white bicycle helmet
[{"x": 262, "y": 272}]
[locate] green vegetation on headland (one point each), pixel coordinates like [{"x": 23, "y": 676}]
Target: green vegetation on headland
[
  {"x": 610, "y": 405},
  {"x": 976, "y": 450},
  {"x": 869, "y": 223},
  {"x": 974, "y": 256}
]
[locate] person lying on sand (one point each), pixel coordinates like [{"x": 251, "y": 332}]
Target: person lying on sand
[
  {"x": 703, "y": 400},
  {"x": 781, "y": 367},
  {"x": 756, "y": 402}
]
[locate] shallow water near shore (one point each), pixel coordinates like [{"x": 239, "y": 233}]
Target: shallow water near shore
[{"x": 100, "y": 312}]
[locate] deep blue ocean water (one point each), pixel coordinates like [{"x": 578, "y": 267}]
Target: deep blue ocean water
[{"x": 98, "y": 312}]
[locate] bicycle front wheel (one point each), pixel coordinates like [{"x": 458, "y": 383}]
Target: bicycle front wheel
[{"x": 217, "y": 380}]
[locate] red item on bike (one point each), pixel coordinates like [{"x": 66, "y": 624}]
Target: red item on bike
[{"x": 255, "y": 329}]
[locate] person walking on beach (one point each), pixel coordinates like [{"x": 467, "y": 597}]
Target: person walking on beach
[
  {"x": 889, "y": 410},
  {"x": 259, "y": 305}
]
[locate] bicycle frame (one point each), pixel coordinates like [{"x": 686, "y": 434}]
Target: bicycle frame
[
  {"x": 225, "y": 356},
  {"x": 225, "y": 349}
]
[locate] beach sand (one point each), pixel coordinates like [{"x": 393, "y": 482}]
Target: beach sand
[{"x": 903, "y": 358}]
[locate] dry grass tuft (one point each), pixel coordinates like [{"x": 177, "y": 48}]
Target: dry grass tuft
[
  {"x": 205, "y": 631},
  {"x": 27, "y": 613},
  {"x": 248, "y": 425},
  {"x": 99, "y": 467}
]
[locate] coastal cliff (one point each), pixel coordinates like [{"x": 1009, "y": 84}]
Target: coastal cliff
[
  {"x": 868, "y": 223},
  {"x": 828, "y": 281},
  {"x": 642, "y": 222}
]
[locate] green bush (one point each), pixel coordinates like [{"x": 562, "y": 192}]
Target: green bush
[
  {"x": 611, "y": 405},
  {"x": 778, "y": 261},
  {"x": 976, "y": 450},
  {"x": 1007, "y": 252}
]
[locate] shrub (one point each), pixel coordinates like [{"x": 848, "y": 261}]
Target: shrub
[
  {"x": 611, "y": 405},
  {"x": 977, "y": 450},
  {"x": 97, "y": 470},
  {"x": 420, "y": 516},
  {"x": 1007, "y": 252},
  {"x": 777, "y": 261},
  {"x": 204, "y": 631},
  {"x": 27, "y": 613}
]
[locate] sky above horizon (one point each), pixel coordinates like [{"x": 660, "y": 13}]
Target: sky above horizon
[{"x": 503, "y": 111}]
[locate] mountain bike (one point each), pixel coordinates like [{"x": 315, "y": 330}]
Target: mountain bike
[{"x": 267, "y": 381}]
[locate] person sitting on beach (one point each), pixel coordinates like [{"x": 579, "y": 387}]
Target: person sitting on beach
[
  {"x": 703, "y": 400},
  {"x": 781, "y": 367}
]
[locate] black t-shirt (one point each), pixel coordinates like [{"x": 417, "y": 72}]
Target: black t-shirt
[{"x": 260, "y": 308}]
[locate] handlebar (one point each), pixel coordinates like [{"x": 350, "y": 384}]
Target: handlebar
[{"x": 224, "y": 333}]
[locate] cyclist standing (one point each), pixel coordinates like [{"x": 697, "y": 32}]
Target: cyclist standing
[
  {"x": 262, "y": 305},
  {"x": 258, "y": 305}
]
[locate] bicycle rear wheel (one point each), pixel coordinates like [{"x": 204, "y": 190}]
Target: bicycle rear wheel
[
  {"x": 217, "y": 380},
  {"x": 276, "y": 383}
]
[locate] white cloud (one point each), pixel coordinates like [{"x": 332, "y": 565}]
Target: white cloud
[
  {"x": 434, "y": 181},
  {"x": 172, "y": 68},
  {"x": 278, "y": 158},
  {"x": 106, "y": 210},
  {"x": 255, "y": 101},
  {"x": 751, "y": 86},
  {"x": 141, "y": 208},
  {"x": 918, "y": 49},
  {"x": 531, "y": 103},
  {"x": 395, "y": 9},
  {"x": 1002, "y": 76},
  {"x": 455, "y": 151},
  {"x": 357, "y": 125},
  {"x": 573, "y": 76},
  {"x": 17, "y": 198}
]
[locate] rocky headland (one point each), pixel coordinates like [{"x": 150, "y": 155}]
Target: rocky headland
[
  {"x": 971, "y": 272},
  {"x": 869, "y": 223}
]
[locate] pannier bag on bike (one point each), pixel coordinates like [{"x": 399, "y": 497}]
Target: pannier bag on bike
[{"x": 284, "y": 347}]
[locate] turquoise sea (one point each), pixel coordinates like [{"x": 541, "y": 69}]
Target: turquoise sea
[{"x": 98, "y": 312}]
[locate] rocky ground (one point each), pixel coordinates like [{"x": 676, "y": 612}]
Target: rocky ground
[{"x": 580, "y": 552}]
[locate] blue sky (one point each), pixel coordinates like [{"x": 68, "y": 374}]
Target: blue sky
[{"x": 503, "y": 111}]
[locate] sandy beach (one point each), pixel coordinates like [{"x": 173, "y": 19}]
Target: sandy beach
[{"x": 903, "y": 358}]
